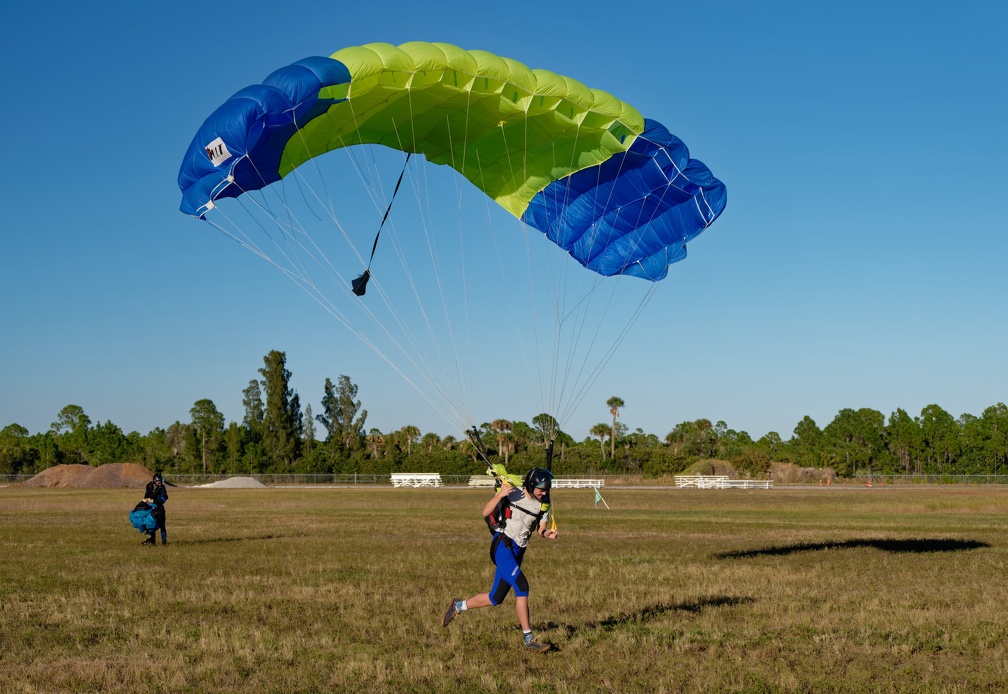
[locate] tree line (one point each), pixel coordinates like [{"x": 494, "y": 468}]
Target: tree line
[{"x": 277, "y": 435}]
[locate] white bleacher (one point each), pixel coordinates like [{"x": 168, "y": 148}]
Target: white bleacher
[
  {"x": 719, "y": 482},
  {"x": 488, "y": 481},
  {"x": 577, "y": 483},
  {"x": 701, "y": 481},
  {"x": 416, "y": 479}
]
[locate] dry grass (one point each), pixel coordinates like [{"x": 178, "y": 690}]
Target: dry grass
[{"x": 834, "y": 589}]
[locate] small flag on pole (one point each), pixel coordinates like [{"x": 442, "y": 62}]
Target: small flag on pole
[{"x": 598, "y": 498}]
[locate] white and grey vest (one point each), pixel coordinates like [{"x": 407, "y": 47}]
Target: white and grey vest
[{"x": 526, "y": 515}]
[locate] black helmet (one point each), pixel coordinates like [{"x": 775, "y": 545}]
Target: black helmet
[
  {"x": 158, "y": 477},
  {"x": 538, "y": 478}
]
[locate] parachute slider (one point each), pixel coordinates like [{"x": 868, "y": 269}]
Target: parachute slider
[{"x": 359, "y": 285}]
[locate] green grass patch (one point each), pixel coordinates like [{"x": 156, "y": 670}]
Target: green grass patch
[{"x": 306, "y": 590}]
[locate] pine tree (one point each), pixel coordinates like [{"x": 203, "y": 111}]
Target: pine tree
[
  {"x": 254, "y": 412},
  {"x": 282, "y": 415},
  {"x": 340, "y": 413}
]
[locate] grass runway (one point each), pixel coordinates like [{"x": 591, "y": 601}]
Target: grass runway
[{"x": 319, "y": 589}]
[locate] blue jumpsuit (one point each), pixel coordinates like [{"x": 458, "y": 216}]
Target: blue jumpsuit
[{"x": 508, "y": 547}]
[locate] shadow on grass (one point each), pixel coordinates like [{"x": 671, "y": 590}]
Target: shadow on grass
[
  {"x": 216, "y": 540},
  {"x": 911, "y": 546},
  {"x": 650, "y": 612}
]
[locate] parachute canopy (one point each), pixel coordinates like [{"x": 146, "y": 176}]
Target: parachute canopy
[{"x": 618, "y": 192}]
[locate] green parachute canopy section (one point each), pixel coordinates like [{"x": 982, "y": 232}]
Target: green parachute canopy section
[{"x": 508, "y": 129}]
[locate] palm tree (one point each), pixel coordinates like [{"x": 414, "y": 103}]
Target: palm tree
[
  {"x": 430, "y": 439},
  {"x": 411, "y": 433},
  {"x": 614, "y": 403},
  {"x": 375, "y": 440},
  {"x": 502, "y": 427},
  {"x": 600, "y": 430}
]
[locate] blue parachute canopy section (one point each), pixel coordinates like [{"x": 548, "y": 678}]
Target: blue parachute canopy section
[
  {"x": 634, "y": 213},
  {"x": 239, "y": 147}
]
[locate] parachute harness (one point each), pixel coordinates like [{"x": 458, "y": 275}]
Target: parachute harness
[{"x": 500, "y": 475}]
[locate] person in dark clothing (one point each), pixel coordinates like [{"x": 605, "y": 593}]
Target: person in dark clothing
[{"x": 156, "y": 494}]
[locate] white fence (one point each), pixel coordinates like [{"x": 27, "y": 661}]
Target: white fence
[
  {"x": 416, "y": 479},
  {"x": 719, "y": 482}
]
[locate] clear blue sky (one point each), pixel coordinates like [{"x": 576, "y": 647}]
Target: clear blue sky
[{"x": 860, "y": 261}]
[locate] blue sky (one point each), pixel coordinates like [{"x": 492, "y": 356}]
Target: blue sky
[{"x": 859, "y": 263}]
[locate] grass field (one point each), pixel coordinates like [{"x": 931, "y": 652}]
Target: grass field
[{"x": 313, "y": 589}]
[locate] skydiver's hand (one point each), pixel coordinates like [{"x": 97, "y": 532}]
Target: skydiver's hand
[
  {"x": 550, "y": 535},
  {"x": 505, "y": 489}
]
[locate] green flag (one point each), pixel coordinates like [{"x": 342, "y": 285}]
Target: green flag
[{"x": 598, "y": 498}]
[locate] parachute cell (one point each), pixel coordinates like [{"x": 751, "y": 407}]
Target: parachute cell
[{"x": 618, "y": 192}]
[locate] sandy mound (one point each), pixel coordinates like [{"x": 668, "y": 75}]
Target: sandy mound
[
  {"x": 60, "y": 476},
  {"x": 789, "y": 472},
  {"x": 236, "y": 483},
  {"x": 712, "y": 467},
  {"x": 104, "y": 476}
]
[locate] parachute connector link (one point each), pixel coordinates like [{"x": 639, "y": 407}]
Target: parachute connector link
[
  {"x": 475, "y": 439},
  {"x": 477, "y": 442}
]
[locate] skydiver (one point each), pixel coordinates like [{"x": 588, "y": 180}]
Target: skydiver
[
  {"x": 512, "y": 515},
  {"x": 156, "y": 495}
]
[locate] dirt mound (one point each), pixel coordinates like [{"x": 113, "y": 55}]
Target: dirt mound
[
  {"x": 60, "y": 476},
  {"x": 118, "y": 475},
  {"x": 104, "y": 476},
  {"x": 791, "y": 473},
  {"x": 712, "y": 467}
]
